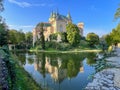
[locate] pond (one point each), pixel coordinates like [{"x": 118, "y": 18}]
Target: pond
[{"x": 54, "y": 71}]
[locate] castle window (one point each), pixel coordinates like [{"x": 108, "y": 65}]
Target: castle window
[{"x": 61, "y": 28}]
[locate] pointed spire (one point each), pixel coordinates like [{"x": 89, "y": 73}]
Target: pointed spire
[
  {"x": 57, "y": 12},
  {"x": 69, "y": 16},
  {"x": 51, "y": 15},
  {"x": 54, "y": 15}
]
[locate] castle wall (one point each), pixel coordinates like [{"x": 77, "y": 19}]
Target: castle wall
[{"x": 61, "y": 26}]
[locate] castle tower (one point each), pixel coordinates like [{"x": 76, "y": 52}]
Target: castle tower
[
  {"x": 69, "y": 17},
  {"x": 81, "y": 27}
]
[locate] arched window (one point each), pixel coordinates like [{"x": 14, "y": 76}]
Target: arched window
[{"x": 61, "y": 28}]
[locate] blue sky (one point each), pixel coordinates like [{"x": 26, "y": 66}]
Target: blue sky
[{"x": 97, "y": 15}]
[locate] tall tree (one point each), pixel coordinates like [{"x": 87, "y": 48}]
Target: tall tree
[
  {"x": 92, "y": 38},
  {"x": 73, "y": 35},
  {"x": 39, "y": 28},
  {"x": 3, "y": 28},
  {"x": 28, "y": 37},
  {"x": 117, "y": 14},
  {"x": 12, "y": 36},
  {"x": 115, "y": 35},
  {"x": 3, "y": 34},
  {"x": 1, "y": 6},
  {"x": 108, "y": 39}
]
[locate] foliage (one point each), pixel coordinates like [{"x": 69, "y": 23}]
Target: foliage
[
  {"x": 1, "y": 6},
  {"x": 114, "y": 36},
  {"x": 108, "y": 39},
  {"x": 117, "y": 14},
  {"x": 73, "y": 35},
  {"x": 58, "y": 46},
  {"x": 53, "y": 36},
  {"x": 72, "y": 69},
  {"x": 29, "y": 39},
  {"x": 63, "y": 36},
  {"x": 17, "y": 38},
  {"x": 93, "y": 39},
  {"x": 3, "y": 28},
  {"x": 3, "y": 34},
  {"x": 39, "y": 27},
  {"x": 17, "y": 79}
]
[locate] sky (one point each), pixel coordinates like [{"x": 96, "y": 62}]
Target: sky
[{"x": 97, "y": 15}]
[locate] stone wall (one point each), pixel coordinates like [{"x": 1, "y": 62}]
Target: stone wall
[{"x": 3, "y": 75}]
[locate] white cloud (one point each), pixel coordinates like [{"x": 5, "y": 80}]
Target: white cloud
[
  {"x": 25, "y": 28},
  {"x": 26, "y": 4},
  {"x": 21, "y": 4},
  {"x": 20, "y": 26}
]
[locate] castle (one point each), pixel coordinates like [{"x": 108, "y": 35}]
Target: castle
[{"x": 57, "y": 23}]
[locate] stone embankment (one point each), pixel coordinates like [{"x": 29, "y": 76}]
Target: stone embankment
[
  {"x": 107, "y": 79},
  {"x": 3, "y": 75}
]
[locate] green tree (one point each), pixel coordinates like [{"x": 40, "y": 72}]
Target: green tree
[
  {"x": 1, "y": 6},
  {"x": 12, "y": 36},
  {"x": 17, "y": 38},
  {"x": 115, "y": 35},
  {"x": 20, "y": 37},
  {"x": 73, "y": 35},
  {"x": 93, "y": 39},
  {"x": 29, "y": 39},
  {"x": 53, "y": 36},
  {"x": 3, "y": 27},
  {"x": 3, "y": 34},
  {"x": 117, "y": 13},
  {"x": 63, "y": 36},
  {"x": 39, "y": 27},
  {"x": 108, "y": 39}
]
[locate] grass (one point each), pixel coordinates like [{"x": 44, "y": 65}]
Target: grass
[{"x": 22, "y": 81}]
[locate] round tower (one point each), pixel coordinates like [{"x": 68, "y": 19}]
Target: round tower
[{"x": 81, "y": 27}]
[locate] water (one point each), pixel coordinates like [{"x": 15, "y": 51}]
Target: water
[{"x": 59, "y": 71}]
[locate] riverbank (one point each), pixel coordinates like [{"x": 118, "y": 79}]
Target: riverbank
[
  {"x": 71, "y": 51},
  {"x": 12, "y": 75},
  {"x": 107, "y": 79}
]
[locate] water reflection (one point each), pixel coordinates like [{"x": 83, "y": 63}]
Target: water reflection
[{"x": 59, "y": 71}]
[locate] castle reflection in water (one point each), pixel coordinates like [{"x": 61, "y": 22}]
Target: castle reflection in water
[
  {"x": 57, "y": 67},
  {"x": 53, "y": 71}
]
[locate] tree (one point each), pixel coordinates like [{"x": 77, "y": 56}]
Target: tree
[
  {"x": 93, "y": 39},
  {"x": 12, "y": 36},
  {"x": 115, "y": 35},
  {"x": 1, "y": 6},
  {"x": 28, "y": 38},
  {"x": 73, "y": 35},
  {"x": 3, "y": 34},
  {"x": 117, "y": 14},
  {"x": 63, "y": 36},
  {"x": 3, "y": 28},
  {"x": 39, "y": 28}
]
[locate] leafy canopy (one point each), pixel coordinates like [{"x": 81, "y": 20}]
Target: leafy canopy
[{"x": 73, "y": 34}]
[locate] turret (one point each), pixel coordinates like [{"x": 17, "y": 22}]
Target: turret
[
  {"x": 51, "y": 15},
  {"x": 81, "y": 27},
  {"x": 69, "y": 17}
]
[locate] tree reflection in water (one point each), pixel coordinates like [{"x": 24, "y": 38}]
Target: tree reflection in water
[{"x": 59, "y": 66}]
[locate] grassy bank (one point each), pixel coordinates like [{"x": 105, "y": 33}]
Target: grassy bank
[
  {"x": 18, "y": 78},
  {"x": 56, "y": 47},
  {"x": 71, "y": 51}
]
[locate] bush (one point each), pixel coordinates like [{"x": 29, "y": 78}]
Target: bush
[{"x": 58, "y": 46}]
